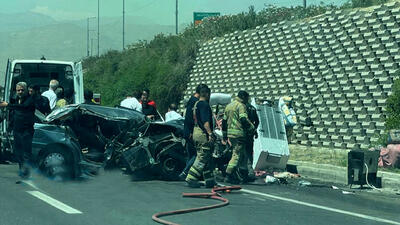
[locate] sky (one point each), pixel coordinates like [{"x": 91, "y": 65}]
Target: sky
[{"x": 157, "y": 11}]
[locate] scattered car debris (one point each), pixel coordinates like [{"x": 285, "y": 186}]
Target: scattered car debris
[
  {"x": 304, "y": 183},
  {"x": 270, "y": 179},
  {"x": 286, "y": 175},
  {"x": 77, "y": 140}
]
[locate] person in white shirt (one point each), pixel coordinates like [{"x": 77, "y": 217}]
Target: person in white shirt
[
  {"x": 172, "y": 114},
  {"x": 50, "y": 94},
  {"x": 131, "y": 102}
]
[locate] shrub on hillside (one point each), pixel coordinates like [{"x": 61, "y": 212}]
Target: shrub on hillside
[
  {"x": 163, "y": 64},
  {"x": 365, "y": 3},
  {"x": 393, "y": 106}
]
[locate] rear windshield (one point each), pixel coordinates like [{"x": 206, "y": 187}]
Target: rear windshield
[{"x": 41, "y": 74}]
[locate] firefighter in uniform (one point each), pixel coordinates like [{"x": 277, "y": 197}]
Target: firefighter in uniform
[
  {"x": 253, "y": 117},
  {"x": 204, "y": 139},
  {"x": 235, "y": 126}
]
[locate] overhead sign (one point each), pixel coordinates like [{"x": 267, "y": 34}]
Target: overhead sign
[{"x": 199, "y": 16}]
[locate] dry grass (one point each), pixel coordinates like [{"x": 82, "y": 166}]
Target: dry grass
[{"x": 337, "y": 157}]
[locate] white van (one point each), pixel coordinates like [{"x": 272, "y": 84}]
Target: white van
[{"x": 39, "y": 72}]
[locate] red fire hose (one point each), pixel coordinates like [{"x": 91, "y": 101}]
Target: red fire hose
[{"x": 213, "y": 195}]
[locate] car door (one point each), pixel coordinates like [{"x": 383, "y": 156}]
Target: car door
[{"x": 78, "y": 83}]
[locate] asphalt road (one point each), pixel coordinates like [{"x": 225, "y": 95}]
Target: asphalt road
[{"x": 112, "y": 198}]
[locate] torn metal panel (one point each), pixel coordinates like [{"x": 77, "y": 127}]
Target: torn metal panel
[
  {"x": 104, "y": 112},
  {"x": 271, "y": 149}
]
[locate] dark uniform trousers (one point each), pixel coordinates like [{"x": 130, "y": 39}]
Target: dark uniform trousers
[
  {"x": 237, "y": 166},
  {"x": 202, "y": 166},
  {"x": 23, "y": 146}
]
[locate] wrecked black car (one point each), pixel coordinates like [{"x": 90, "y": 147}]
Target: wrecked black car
[{"x": 79, "y": 139}]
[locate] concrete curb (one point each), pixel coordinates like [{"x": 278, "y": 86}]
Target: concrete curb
[{"x": 337, "y": 174}]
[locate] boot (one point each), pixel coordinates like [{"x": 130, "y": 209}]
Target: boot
[
  {"x": 209, "y": 179},
  {"x": 193, "y": 183},
  {"x": 182, "y": 176},
  {"x": 231, "y": 179}
]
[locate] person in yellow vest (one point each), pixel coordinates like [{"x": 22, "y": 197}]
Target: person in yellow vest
[
  {"x": 289, "y": 115},
  {"x": 235, "y": 126}
]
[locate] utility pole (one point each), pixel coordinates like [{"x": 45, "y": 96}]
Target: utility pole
[
  {"x": 123, "y": 24},
  {"x": 87, "y": 36},
  {"x": 88, "y": 30},
  {"x": 98, "y": 28},
  {"x": 91, "y": 47},
  {"x": 305, "y": 3},
  {"x": 176, "y": 18}
]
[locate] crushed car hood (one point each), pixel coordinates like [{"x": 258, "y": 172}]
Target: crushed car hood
[{"x": 104, "y": 112}]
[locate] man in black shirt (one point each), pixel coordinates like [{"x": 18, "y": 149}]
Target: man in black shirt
[
  {"x": 253, "y": 117},
  {"x": 149, "y": 107},
  {"x": 204, "y": 139},
  {"x": 41, "y": 103},
  {"x": 24, "y": 114},
  {"x": 188, "y": 131}
]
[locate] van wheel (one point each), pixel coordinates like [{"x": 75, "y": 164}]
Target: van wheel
[{"x": 57, "y": 164}]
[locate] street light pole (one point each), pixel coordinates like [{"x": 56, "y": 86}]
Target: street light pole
[
  {"x": 123, "y": 24},
  {"x": 88, "y": 34},
  {"x": 98, "y": 28},
  {"x": 176, "y": 18}
]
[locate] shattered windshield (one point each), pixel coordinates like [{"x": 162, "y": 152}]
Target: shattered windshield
[{"x": 200, "y": 112}]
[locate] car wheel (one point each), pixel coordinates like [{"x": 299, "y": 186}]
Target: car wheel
[
  {"x": 57, "y": 164},
  {"x": 170, "y": 168}
]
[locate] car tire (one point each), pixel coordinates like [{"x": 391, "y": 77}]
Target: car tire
[
  {"x": 56, "y": 163},
  {"x": 170, "y": 168}
]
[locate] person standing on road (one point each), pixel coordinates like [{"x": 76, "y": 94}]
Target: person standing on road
[
  {"x": 50, "y": 94},
  {"x": 88, "y": 96},
  {"x": 131, "y": 102},
  {"x": 289, "y": 115},
  {"x": 204, "y": 140},
  {"x": 172, "y": 114},
  {"x": 61, "y": 101},
  {"x": 41, "y": 103},
  {"x": 235, "y": 126},
  {"x": 188, "y": 131},
  {"x": 24, "y": 114},
  {"x": 253, "y": 117},
  {"x": 149, "y": 107}
]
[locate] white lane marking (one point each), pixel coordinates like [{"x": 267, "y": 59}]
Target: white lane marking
[
  {"x": 322, "y": 207},
  {"x": 54, "y": 202},
  {"x": 30, "y": 183}
]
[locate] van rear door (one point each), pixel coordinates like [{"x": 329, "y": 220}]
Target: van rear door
[
  {"x": 7, "y": 82},
  {"x": 5, "y": 141},
  {"x": 6, "y": 94},
  {"x": 78, "y": 83}
]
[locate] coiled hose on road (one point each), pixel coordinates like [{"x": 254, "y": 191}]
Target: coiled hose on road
[{"x": 214, "y": 195}]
